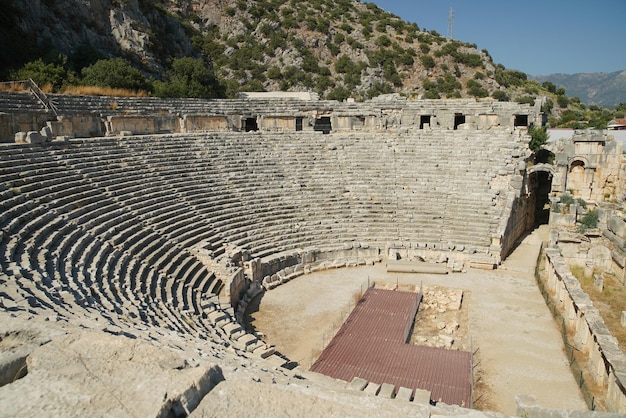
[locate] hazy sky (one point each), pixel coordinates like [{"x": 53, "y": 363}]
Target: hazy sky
[{"x": 538, "y": 37}]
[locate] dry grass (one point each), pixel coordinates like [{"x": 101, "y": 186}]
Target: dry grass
[
  {"x": 610, "y": 302},
  {"x": 17, "y": 86},
  {"x": 13, "y": 86},
  {"x": 103, "y": 91}
]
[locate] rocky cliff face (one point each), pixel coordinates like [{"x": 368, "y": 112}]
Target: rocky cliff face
[
  {"x": 336, "y": 48},
  {"x": 136, "y": 29}
]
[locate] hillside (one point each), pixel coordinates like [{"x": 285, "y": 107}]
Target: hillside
[
  {"x": 337, "y": 48},
  {"x": 604, "y": 89}
]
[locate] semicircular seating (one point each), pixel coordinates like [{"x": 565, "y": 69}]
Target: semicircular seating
[{"x": 112, "y": 226}]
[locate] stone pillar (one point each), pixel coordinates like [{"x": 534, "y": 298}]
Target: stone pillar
[
  {"x": 623, "y": 320},
  {"x": 588, "y": 268},
  {"x": 598, "y": 282}
]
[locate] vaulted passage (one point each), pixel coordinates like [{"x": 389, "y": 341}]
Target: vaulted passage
[
  {"x": 542, "y": 202},
  {"x": 250, "y": 125},
  {"x": 323, "y": 124}
]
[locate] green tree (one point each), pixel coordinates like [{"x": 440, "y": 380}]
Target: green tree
[
  {"x": 43, "y": 74},
  {"x": 114, "y": 73},
  {"x": 550, "y": 87},
  {"x": 538, "y": 137},
  {"x": 562, "y": 101},
  {"x": 190, "y": 77}
]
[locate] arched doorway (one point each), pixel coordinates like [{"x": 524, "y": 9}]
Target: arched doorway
[
  {"x": 540, "y": 177},
  {"x": 576, "y": 176}
]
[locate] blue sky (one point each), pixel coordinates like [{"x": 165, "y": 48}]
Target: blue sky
[{"x": 538, "y": 37}]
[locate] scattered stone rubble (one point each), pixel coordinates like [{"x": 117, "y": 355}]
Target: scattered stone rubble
[{"x": 438, "y": 321}]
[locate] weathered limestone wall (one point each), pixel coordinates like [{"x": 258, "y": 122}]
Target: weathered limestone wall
[
  {"x": 11, "y": 123},
  {"x": 277, "y": 123},
  {"x": 591, "y": 166},
  {"x": 201, "y": 123},
  {"x": 606, "y": 364},
  {"x": 616, "y": 232},
  {"x": 520, "y": 220},
  {"x": 152, "y": 115},
  {"x": 142, "y": 124},
  {"x": 77, "y": 126},
  {"x": 281, "y": 268}
]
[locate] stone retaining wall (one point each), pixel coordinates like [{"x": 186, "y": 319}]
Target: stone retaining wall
[
  {"x": 280, "y": 268},
  {"x": 606, "y": 363},
  {"x": 150, "y": 115}
]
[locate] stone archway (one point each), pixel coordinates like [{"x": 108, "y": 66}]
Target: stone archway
[
  {"x": 576, "y": 176},
  {"x": 540, "y": 178}
]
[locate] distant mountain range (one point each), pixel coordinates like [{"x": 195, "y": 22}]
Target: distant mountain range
[{"x": 604, "y": 89}]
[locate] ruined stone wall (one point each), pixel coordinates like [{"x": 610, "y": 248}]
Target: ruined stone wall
[
  {"x": 590, "y": 165},
  {"x": 605, "y": 362},
  {"x": 149, "y": 115}
]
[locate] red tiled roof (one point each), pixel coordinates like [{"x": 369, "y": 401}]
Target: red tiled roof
[{"x": 371, "y": 345}]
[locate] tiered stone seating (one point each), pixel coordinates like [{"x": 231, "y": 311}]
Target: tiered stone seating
[
  {"x": 54, "y": 218},
  {"x": 112, "y": 224},
  {"x": 12, "y": 102}
]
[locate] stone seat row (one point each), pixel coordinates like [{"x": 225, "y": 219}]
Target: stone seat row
[
  {"x": 78, "y": 286},
  {"x": 19, "y": 101},
  {"x": 33, "y": 289},
  {"x": 227, "y": 221},
  {"x": 136, "y": 189},
  {"x": 75, "y": 248}
]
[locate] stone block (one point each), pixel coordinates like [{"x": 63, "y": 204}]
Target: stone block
[
  {"x": 247, "y": 339},
  {"x": 617, "y": 226},
  {"x": 34, "y": 137},
  {"x": 216, "y": 316},
  {"x": 386, "y": 390},
  {"x": 598, "y": 282},
  {"x": 357, "y": 384},
  {"x": 421, "y": 396},
  {"x": 46, "y": 132},
  {"x": 404, "y": 394},
  {"x": 372, "y": 388},
  {"x": 20, "y": 138}
]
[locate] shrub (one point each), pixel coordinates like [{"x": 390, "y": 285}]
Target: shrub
[
  {"x": 588, "y": 221},
  {"x": 42, "y": 73},
  {"x": 114, "y": 73},
  {"x": 338, "y": 93},
  {"x": 427, "y": 61},
  {"x": 526, "y": 100},
  {"x": 354, "y": 44},
  {"x": 383, "y": 41},
  {"x": 562, "y": 101},
  {"x": 475, "y": 89},
  {"x": 567, "y": 199},
  {"x": 346, "y": 27},
  {"x": 274, "y": 73},
  {"x": 189, "y": 77},
  {"x": 500, "y": 96}
]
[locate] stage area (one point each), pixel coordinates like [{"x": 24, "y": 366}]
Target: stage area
[
  {"x": 372, "y": 345},
  {"x": 517, "y": 343}
]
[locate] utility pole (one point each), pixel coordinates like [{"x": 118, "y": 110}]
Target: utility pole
[{"x": 451, "y": 23}]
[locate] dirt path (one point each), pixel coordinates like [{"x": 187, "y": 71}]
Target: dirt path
[{"x": 503, "y": 318}]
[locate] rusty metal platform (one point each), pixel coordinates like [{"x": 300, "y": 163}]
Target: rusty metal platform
[{"x": 371, "y": 344}]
